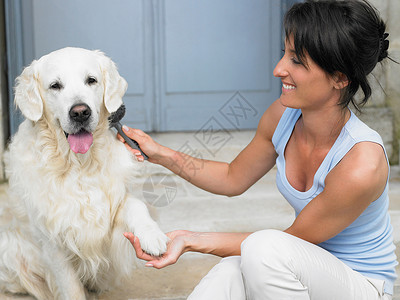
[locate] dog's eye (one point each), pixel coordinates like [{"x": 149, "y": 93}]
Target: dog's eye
[
  {"x": 91, "y": 80},
  {"x": 55, "y": 86}
]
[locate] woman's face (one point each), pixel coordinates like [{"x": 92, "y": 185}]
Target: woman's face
[{"x": 304, "y": 86}]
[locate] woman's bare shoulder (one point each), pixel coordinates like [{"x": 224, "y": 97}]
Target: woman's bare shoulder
[{"x": 270, "y": 119}]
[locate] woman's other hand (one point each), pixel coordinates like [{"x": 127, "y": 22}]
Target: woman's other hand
[{"x": 175, "y": 248}]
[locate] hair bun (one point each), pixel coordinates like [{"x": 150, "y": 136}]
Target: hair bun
[{"x": 383, "y": 47}]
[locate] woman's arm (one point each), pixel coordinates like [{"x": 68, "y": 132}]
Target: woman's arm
[
  {"x": 358, "y": 180},
  {"x": 219, "y": 177},
  {"x": 181, "y": 241},
  {"x": 350, "y": 187}
]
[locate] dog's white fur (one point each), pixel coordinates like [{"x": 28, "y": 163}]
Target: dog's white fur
[{"x": 62, "y": 227}]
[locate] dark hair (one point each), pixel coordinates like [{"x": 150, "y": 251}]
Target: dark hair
[{"x": 340, "y": 36}]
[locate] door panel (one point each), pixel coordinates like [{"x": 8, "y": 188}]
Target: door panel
[
  {"x": 211, "y": 51},
  {"x": 214, "y": 46}
]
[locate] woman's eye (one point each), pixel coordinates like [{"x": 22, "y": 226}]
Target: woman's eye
[
  {"x": 296, "y": 61},
  {"x": 56, "y": 86},
  {"x": 91, "y": 80}
]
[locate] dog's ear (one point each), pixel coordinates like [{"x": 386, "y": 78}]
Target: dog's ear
[
  {"x": 27, "y": 96},
  {"x": 114, "y": 84}
]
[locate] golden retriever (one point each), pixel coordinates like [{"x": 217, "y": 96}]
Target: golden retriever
[{"x": 70, "y": 183}]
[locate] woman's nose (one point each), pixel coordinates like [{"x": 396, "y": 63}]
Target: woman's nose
[{"x": 280, "y": 69}]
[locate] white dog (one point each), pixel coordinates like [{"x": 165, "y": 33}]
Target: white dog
[{"x": 70, "y": 183}]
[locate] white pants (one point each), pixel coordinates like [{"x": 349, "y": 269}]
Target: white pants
[{"x": 276, "y": 265}]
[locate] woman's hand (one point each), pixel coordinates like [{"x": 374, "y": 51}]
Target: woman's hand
[
  {"x": 176, "y": 247},
  {"x": 146, "y": 143}
]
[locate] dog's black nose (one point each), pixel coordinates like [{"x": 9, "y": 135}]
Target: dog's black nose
[{"x": 80, "y": 112}]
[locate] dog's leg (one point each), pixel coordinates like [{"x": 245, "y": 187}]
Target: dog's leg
[
  {"x": 64, "y": 277},
  {"x": 21, "y": 270},
  {"x": 137, "y": 217}
]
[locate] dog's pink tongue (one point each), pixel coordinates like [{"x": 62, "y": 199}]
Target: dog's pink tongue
[{"x": 80, "y": 142}]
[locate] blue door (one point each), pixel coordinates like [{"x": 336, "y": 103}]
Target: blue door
[{"x": 187, "y": 62}]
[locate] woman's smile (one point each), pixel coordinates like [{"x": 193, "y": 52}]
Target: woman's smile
[{"x": 287, "y": 87}]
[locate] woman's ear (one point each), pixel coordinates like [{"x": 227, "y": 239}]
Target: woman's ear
[
  {"x": 340, "y": 80},
  {"x": 27, "y": 96},
  {"x": 114, "y": 85}
]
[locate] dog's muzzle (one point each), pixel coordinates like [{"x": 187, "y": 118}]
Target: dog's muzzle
[
  {"x": 80, "y": 113},
  {"x": 82, "y": 140}
]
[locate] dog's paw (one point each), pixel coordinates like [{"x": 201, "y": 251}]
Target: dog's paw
[{"x": 153, "y": 241}]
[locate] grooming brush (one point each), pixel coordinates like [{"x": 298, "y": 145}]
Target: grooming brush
[{"x": 114, "y": 119}]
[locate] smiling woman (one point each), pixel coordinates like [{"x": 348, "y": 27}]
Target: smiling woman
[
  {"x": 304, "y": 81},
  {"x": 352, "y": 51},
  {"x": 331, "y": 168}
]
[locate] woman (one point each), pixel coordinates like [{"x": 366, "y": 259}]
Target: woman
[{"x": 332, "y": 169}]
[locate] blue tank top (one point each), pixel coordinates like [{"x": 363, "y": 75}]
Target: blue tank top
[{"x": 367, "y": 244}]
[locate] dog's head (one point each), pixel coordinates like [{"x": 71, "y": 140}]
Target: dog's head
[{"x": 70, "y": 87}]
